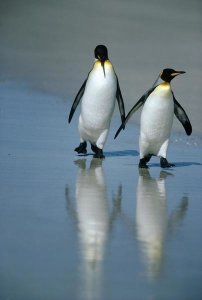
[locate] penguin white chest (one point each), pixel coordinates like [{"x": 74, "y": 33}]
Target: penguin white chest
[
  {"x": 99, "y": 98},
  {"x": 157, "y": 118}
]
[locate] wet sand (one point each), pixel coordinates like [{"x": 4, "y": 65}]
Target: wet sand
[{"x": 78, "y": 228}]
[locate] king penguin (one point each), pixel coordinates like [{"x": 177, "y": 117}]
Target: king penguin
[
  {"x": 97, "y": 95},
  {"x": 159, "y": 107}
]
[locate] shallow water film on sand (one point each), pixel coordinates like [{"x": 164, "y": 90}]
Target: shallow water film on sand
[{"x": 83, "y": 228}]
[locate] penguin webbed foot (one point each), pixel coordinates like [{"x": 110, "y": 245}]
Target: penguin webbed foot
[
  {"x": 165, "y": 164},
  {"x": 99, "y": 155},
  {"x": 81, "y": 149},
  {"x": 143, "y": 164},
  {"x": 94, "y": 148},
  {"x": 143, "y": 161},
  {"x": 98, "y": 152}
]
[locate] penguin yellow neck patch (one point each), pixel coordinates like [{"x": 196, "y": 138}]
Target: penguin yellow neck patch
[
  {"x": 163, "y": 88},
  {"x": 107, "y": 64},
  {"x": 165, "y": 84}
]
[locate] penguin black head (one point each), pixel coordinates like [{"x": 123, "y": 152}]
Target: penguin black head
[
  {"x": 168, "y": 74},
  {"x": 101, "y": 54}
]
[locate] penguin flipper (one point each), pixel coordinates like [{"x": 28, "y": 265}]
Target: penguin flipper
[
  {"x": 120, "y": 101},
  {"x": 182, "y": 116},
  {"x": 77, "y": 100},
  {"x": 139, "y": 103}
]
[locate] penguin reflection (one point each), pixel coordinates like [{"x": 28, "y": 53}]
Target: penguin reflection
[
  {"x": 153, "y": 222},
  {"x": 92, "y": 209},
  {"x": 94, "y": 221}
]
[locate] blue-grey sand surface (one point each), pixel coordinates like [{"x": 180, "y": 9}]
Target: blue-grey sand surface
[{"x": 74, "y": 227}]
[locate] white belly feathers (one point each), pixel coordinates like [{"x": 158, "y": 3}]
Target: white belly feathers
[
  {"x": 98, "y": 101},
  {"x": 99, "y": 98},
  {"x": 156, "y": 119}
]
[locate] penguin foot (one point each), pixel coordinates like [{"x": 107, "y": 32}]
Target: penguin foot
[
  {"x": 101, "y": 156},
  {"x": 94, "y": 148},
  {"x": 81, "y": 148},
  {"x": 147, "y": 157},
  {"x": 143, "y": 161},
  {"x": 165, "y": 164},
  {"x": 99, "y": 153},
  {"x": 143, "y": 164}
]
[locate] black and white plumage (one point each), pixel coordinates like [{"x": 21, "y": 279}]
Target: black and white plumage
[
  {"x": 97, "y": 94},
  {"x": 159, "y": 106}
]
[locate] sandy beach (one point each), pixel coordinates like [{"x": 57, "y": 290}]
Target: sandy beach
[{"x": 74, "y": 227}]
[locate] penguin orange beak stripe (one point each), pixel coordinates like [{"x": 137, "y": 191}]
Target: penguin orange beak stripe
[{"x": 178, "y": 73}]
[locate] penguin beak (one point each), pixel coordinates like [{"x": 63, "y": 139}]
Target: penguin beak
[
  {"x": 176, "y": 73},
  {"x": 102, "y": 60},
  {"x": 103, "y": 66}
]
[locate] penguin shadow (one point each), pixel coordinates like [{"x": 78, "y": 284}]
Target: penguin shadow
[
  {"x": 186, "y": 164},
  {"x": 94, "y": 217},
  {"x": 177, "y": 165},
  {"x": 121, "y": 153},
  {"x": 153, "y": 221}
]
